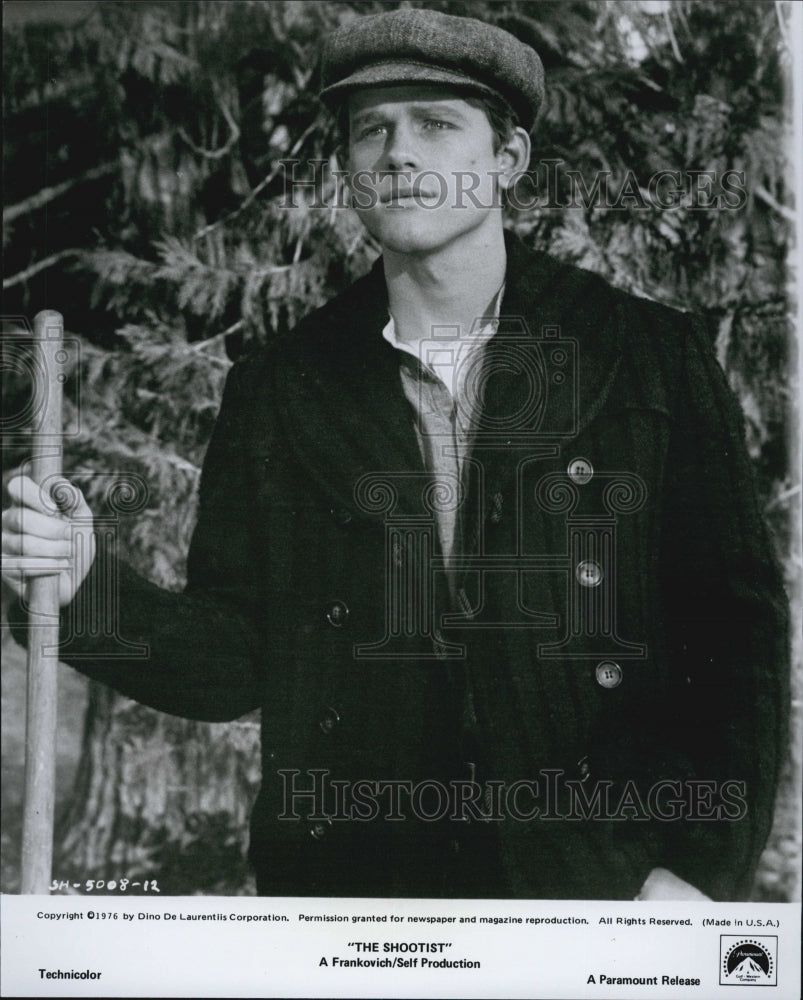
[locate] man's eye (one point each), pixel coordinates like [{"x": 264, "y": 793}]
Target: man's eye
[
  {"x": 370, "y": 130},
  {"x": 436, "y": 124}
]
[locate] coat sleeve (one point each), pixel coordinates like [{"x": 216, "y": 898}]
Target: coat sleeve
[
  {"x": 727, "y": 625},
  {"x": 193, "y": 654}
]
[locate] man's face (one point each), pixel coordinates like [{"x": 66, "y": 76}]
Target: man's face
[{"x": 422, "y": 167}]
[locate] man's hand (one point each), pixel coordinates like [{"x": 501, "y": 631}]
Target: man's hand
[
  {"x": 661, "y": 886},
  {"x": 45, "y": 531}
]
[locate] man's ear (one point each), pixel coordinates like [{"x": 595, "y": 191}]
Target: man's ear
[{"x": 514, "y": 157}]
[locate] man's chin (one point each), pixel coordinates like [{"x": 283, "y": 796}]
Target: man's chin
[
  {"x": 411, "y": 245},
  {"x": 405, "y": 235},
  {"x": 408, "y": 242}
]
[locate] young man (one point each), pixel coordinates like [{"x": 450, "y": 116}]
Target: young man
[{"x": 479, "y": 538}]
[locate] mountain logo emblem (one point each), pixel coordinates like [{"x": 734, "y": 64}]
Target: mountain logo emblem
[{"x": 748, "y": 961}]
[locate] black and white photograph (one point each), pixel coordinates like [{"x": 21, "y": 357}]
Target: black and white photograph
[{"x": 401, "y": 498}]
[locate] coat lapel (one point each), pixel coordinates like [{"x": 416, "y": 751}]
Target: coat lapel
[{"x": 345, "y": 415}]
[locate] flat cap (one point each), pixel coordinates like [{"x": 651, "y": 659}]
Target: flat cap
[{"x": 412, "y": 46}]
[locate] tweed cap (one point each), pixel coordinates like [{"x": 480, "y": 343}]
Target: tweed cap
[{"x": 411, "y": 46}]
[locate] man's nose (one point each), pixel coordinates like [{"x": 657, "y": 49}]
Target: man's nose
[{"x": 401, "y": 149}]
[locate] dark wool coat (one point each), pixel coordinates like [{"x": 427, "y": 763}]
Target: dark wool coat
[{"x": 619, "y": 618}]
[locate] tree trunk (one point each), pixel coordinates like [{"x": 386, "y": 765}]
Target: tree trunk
[{"x": 159, "y": 798}]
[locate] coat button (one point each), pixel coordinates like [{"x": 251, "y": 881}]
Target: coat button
[
  {"x": 337, "y": 613},
  {"x": 580, "y": 471},
  {"x": 318, "y": 830},
  {"x": 609, "y": 674},
  {"x": 589, "y": 574},
  {"x": 329, "y": 720}
]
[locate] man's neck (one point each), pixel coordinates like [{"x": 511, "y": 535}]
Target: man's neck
[{"x": 451, "y": 288}]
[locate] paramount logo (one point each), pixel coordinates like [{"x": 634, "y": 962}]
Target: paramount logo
[{"x": 748, "y": 961}]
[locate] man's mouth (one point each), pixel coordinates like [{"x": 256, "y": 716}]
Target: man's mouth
[
  {"x": 407, "y": 197},
  {"x": 400, "y": 190}
]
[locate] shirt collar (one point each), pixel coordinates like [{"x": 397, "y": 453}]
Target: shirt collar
[{"x": 444, "y": 358}]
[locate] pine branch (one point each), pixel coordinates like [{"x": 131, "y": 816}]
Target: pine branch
[
  {"x": 671, "y": 33},
  {"x": 40, "y": 265},
  {"x": 215, "y": 154},
  {"x": 255, "y": 192},
  {"x": 783, "y": 210},
  {"x": 46, "y": 195}
]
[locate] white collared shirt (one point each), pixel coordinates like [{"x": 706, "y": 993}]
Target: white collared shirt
[{"x": 440, "y": 377}]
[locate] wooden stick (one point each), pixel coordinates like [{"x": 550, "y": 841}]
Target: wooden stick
[{"x": 43, "y": 604}]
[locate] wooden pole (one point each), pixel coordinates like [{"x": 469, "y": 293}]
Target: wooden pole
[{"x": 43, "y": 603}]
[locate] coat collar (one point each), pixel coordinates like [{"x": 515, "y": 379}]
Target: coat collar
[{"x": 548, "y": 371}]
